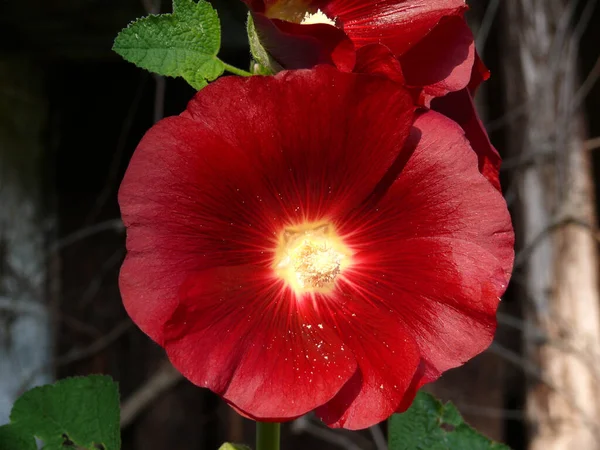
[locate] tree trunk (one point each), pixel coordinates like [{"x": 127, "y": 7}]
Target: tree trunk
[
  {"x": 556, "y": 214},
  {"x": 25, "y": 328}
]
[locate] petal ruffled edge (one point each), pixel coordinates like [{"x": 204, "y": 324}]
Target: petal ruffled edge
[
  {"x": 386, "y": 355},
  {"x": 377, "y": 59},
  {"x": 460, "y": 107},
  {"x": 397, "y": 25},
  {"x": 442, "y": 61},
  {"x": 453, "y": 253},
  {"x": 241, "y": 333}
]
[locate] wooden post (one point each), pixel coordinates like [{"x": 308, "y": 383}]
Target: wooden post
[
  {"x": 25, "y": 325},
  {"x": 555, "y": 215}
]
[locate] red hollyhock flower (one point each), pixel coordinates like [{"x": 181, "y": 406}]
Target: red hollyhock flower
[
  {"x": 307, "y": 242},
  {"x": 430, "y": 37}
]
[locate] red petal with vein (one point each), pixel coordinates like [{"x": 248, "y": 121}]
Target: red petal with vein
[
  {"x": 386, "y": 354},
  {"x": 459, "y": 107},
  {"x": 213, "y": 187},
  {"x": 296, "y": 46},
  {"x": 480, "y": 74},
  {"x": 443, "y": 61},
  {"x": 377, "y": 59},
  {"x": 439, "y": 252},
  {"x": 241, "y": 333},
  {"x": 398, "y": 24}
]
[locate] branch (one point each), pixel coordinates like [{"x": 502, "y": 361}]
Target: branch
[
  {"x": 486, "y": 25},
  {"x": 120, "y": 146},
  {"x": 494, "y": 413},
  {"x": 304, "y": 425},
  {"x": 378, "y": 438},
  {"x": 543, "y": 155},
  {"x": 164, "y": 379},
  {"x": 70, "y": 239},
  {"x": 76, "y": 355},
  {"x": 536, "y": 372},
  {"x": 95, "y": 347},
  {"x": 594, "y": 143},
  {"x": 528, "y": 249}
]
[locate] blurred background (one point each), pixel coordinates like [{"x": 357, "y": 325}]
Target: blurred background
[{"x": 71, "y": 114}]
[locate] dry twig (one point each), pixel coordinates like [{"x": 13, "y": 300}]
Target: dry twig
[
  {"x": 164, "y": 379},
  {"x": 304, "y": 425}
]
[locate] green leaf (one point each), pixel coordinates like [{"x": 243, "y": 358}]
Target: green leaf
[
  {"x": 182, "y": 44},
  {"x": 229, "y": 446},
  {"x": 79, "y": 412},
  {"x": 14, "y": 438},
  {"x": 430, "y": 425},
  {"x": 265, "y": 65}
]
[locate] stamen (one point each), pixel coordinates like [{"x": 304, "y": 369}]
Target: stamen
[
  {"x": 318, "y": 17},
  {"x": 316, "y": 266},
  {"x": 311, "y": 257}
]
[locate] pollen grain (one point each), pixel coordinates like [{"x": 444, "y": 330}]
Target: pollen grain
[
  {"x": 318, "y": 17},
  {"x": 310, "y": 258}
]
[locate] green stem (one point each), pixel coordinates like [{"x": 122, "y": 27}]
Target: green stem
[
  {"x": 267, "y": 436},
  {"x": 236, "y": 71}
]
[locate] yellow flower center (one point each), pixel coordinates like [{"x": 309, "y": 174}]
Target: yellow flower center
[
  {"x": 310, "y": 257},
  {"x": 297, "y": 11},
  {"x": 318, "y": 17}
]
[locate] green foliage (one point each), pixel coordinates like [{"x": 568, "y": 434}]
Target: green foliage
[
  {"x": 13, "y": 438},
  {"x": 430, "y": 425},
  {"x": 264, "y": 64},
  {"x": 80, "y": 413},
  {"x": 228, "y": 446},
  {"x": 182, "y": 44}
]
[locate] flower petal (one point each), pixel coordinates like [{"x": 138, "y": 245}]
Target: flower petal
[
  {"x": 387, "y": 357},
  {"x": 398, "y": 24},
  {"x": 459, "y": 106},
  {"x": 480, "y": 74},
  {"x": 450, "y": 44},
  {"x": 295, "y": 46},
  {"x": 438, "y": 250},
  {"x": 217, "y": 185},
  {"x": 376, "y": 59},
  {"x": 241, "y": 333}
]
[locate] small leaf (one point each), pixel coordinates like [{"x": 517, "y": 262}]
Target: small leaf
[
  {"x": 430, "y": 425},
  {"x": 258, "y": 69},
  {"x": 229, "y": 446},
  {"x": 182, "y": 44},
  {"x": 14, "y": 438},
  {"x": 78, "y": 412},
  {"x": 265, "y": 65}
]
